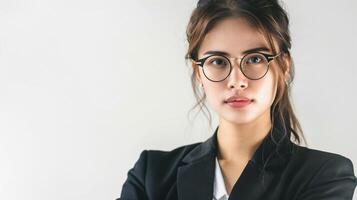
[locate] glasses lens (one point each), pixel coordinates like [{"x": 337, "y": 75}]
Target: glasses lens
[
  {"x": 254, "y": 65},
  {"x": 216, "y": 68}
]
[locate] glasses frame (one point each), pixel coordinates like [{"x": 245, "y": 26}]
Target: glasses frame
[{"x": 268, "y": 57}]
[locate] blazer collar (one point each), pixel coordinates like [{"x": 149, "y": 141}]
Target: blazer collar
[
  {"x": 196, "y": 176},
  {"x": 276, "y": 145}
]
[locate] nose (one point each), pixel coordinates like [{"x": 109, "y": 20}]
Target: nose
[{"x": 237, "y": 79}]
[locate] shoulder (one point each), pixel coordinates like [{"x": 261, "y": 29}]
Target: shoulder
[
  {"x": 315, "y": 170},
  {"x": 155, "y": 162},
  {"x": 154, "y": 168},
  {"x": 317, "y": 158},
  {"x": 166, "y": 158}
]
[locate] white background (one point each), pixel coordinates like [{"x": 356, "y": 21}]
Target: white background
[{"x": 85, "y": 86}]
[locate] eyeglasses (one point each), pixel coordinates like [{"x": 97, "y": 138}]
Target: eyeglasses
[{"x": 254, "y": 66}]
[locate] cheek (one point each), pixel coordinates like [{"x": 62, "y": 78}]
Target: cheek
[
  {"x": 215, "y": 94},
  {"x": 266, "y": 90},
  {"x": 212, "y": 90}
]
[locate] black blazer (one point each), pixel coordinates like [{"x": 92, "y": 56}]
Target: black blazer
[{"x": 291, "y": 172}]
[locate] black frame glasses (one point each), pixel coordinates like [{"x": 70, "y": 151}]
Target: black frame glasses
[{"x": 268, "y": 58}]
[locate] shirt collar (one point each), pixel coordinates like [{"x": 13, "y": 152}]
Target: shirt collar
[{"x": 219, "y": 188}]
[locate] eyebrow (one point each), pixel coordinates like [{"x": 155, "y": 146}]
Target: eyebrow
[{"x": 244, "y": 52}]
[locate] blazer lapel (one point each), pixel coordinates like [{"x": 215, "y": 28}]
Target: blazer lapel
[
  {"x": 195, "y": 178},
  {"x": 262, "y": 173},
  {"x": 195, "y": 181}
]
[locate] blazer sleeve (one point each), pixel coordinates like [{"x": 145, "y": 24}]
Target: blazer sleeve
[
  {"x": 335, "y": 180},
  {"x": 134, "y": 186}
]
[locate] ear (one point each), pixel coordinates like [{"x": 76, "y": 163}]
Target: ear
[{"x": 196, "y": 70}]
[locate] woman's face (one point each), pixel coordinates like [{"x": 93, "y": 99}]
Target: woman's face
[{"x": 234, "y": 36}]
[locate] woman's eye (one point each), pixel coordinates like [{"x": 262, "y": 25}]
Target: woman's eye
[
  {"x": 254, "y": 60},
  {"x": 218, "y": 62}
]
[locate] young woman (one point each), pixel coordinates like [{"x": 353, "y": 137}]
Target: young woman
[{"x": 242, "y": 66}]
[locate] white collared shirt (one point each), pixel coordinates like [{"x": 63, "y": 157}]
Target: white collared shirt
[{"x": 219, "y": 188}]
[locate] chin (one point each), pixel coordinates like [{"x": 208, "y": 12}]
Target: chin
[{"x": 239, "y": 118}]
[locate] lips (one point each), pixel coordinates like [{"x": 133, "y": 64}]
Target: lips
[{"x": 237, "y": 99}]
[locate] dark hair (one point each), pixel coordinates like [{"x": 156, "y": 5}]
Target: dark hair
[{"x": 271, "y": 19}]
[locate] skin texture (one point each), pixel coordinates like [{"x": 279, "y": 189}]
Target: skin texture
[{"x": 241, "y": 130}]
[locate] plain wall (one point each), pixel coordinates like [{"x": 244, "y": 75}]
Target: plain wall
[{"x": 85, "y": 86}]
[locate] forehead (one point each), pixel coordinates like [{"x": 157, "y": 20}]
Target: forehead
[{"x": 232, "y": 35}]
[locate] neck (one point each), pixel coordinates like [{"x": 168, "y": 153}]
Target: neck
[{"x": 238, "y": 142}]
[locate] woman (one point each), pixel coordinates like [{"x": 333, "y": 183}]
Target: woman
[{"x": 240, "y": 58}]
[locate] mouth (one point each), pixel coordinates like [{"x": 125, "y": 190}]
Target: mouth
[
  {"x": 240, "y": 100},
  {"x": 237, "y": 98},
  {"x": 239, "y": 103}
]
